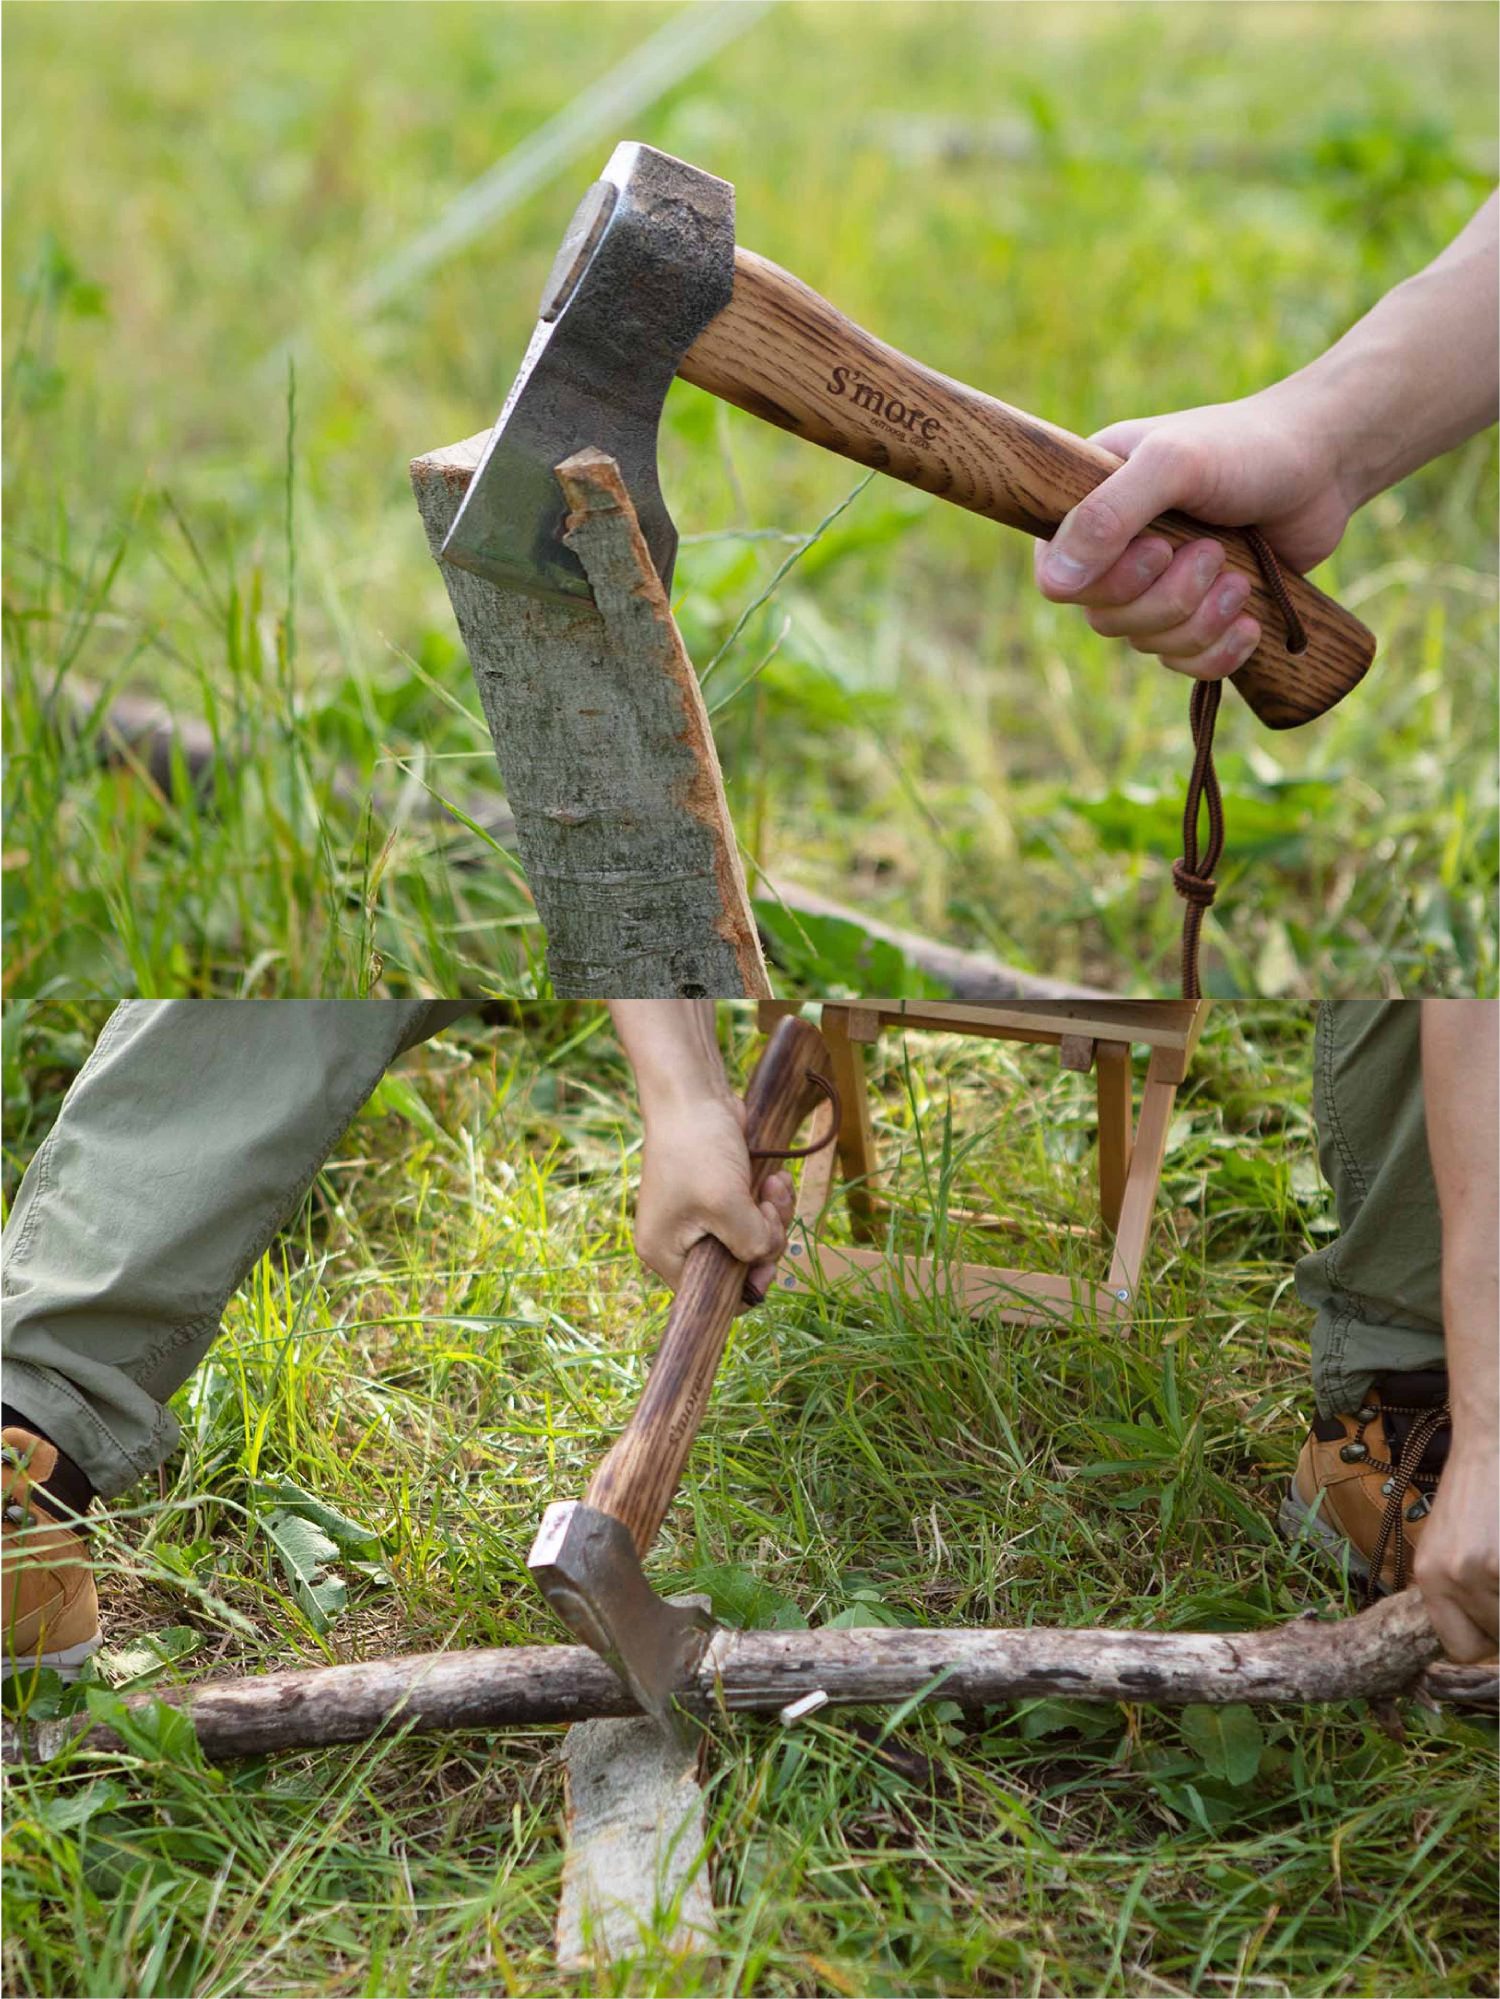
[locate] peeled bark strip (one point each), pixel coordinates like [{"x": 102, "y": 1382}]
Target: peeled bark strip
[
  {"x": 1388, "y": 1650},
  {"x": 603, "y": 741}
]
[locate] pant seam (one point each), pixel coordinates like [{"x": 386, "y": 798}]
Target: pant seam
[{"x": 1335, "y": 1121}]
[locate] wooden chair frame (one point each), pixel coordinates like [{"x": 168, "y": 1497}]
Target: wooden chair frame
[{"x": 1098, "y": 1036}]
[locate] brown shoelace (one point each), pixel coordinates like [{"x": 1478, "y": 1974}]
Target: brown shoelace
[
  {"x": 1400, "y": 1474},
  {"x": 1193, "y": 871}
]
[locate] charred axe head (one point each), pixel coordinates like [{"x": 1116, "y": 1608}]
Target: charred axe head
[
  {"x": 586, "y": 1566},
  {"x": 647, "y": 262}
]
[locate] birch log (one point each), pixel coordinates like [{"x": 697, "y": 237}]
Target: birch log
[
  {"x": 603, "y": 741},
  {"x": 1385, "y": 1651}
]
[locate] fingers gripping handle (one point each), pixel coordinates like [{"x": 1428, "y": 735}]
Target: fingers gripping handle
[
  {"x": 785, "y": 354},
  {"x": 636, "y": 1482}
]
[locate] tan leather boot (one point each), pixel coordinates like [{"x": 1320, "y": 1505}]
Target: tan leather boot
[
  {"x": 1365, "y": 1482},
  {"x": 50, "y": 1609}
]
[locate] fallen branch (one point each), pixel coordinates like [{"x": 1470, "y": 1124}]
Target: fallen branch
[
  {"x": 137, "y": 730},
  {"x": 1383, "y": 1652}
]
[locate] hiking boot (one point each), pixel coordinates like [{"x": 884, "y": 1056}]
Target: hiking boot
[
  {"x": 47, "y": 1598},
  {"x": 1365, "y": 1482}
]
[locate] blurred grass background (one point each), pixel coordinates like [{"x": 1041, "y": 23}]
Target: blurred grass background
[
  {"x": 1093, "y": 211},
  {"x": 443, "y": 1340}
]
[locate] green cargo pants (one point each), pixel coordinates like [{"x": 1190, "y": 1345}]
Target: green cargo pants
[
  {"x": 195, "y": 1128},
  {"x": 1377, "y": 1287},
  {"x": 189, "y": 1137}
]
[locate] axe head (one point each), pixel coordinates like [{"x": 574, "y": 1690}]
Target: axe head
[
  {"x": 587, "y": 1568},
  {"x": 647, "y": 262}
]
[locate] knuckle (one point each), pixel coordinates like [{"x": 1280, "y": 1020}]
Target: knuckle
[
  {"x": 1181, "y": 458},
  {"x": 1098, "y": 521}
]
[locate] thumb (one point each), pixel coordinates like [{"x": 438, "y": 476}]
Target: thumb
[{"x": 1093, "y": 537}]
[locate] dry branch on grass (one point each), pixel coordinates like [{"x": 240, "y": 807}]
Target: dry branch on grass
[
  {"x": 1388, "y": 1650},
  {"x": 135, "y": 730}
]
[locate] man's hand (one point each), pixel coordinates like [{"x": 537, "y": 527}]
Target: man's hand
[
  {"x": 1259, "y": 462},
  {"x": 695, "y": 1181},
  {"x": 1457, "y": 1563},
  {"x": 1413, "y": 378}
]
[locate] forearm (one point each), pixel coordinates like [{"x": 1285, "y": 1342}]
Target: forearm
[
  {"x": 1461, "y": 1087},
  {"x": 673, "y": 1049},
  {"x": 1415, "y": 376}
]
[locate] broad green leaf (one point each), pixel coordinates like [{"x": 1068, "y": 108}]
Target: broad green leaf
[
  {"x": 66, "y": 1811},
  {"x": 306, "y": 1552},
  {"x": 141, "y": 1658},
  {"x": 1227, "y": 1740},
  {"x": 292, "y": 1498},
  {"x": 745, "y": 1601},
  {"x": 1052, "y": 1717}
]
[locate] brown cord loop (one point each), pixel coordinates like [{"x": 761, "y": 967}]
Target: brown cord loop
[
  {"x": 827, "y": 1089},
  {"x": 1192, "y": 871},
  {"x": 749, "y": 1296}
]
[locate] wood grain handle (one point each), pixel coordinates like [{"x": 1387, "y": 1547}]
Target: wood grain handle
[
  {"x": 637, "y": 1480},
  {"x": 785, "y": 354}
]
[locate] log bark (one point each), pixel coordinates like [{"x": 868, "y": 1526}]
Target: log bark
[
  {"x": 1385, "y": 1651},
  {"x": 603, "y": 740}
]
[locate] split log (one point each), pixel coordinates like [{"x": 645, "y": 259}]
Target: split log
[
  {"x": 603, "y": 740},
  {"x": 1388, "y": 1650},
  {"x": 633, "y": 1868}
]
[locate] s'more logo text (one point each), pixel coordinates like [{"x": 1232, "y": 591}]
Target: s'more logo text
[{"x": 894, "y": 412}]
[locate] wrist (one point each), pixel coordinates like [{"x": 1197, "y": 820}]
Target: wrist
[
  {"x": 1332, "y": 408},
  {"x": 669, "y": 1096}
]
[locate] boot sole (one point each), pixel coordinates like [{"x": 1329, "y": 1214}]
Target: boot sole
[
  {"x": 66, "y": 1662},
  {"x": 1298, "y": 1522}
]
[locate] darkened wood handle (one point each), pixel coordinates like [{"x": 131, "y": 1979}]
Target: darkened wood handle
[
  {"x": 785, "y": 354},
  {"x": 636, "y": 1482}
]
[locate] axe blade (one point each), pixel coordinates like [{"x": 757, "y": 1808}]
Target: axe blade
[{"x": 586, "y": 1566}]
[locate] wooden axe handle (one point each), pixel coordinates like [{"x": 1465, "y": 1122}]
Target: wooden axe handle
[
  {"x": 637, "y": 1480},
  {"x": 784, "y": 354}
]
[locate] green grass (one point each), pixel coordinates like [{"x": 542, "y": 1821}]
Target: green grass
[
  {"x": 1181, "y": 203},
  {"x": 445, "y": 1340}
]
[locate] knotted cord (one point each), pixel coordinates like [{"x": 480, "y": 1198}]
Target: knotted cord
[
  {"x": 828, "y": 1091},
  {"x": 1193, "y": 870}
]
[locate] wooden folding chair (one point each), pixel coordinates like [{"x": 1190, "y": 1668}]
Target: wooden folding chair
[{"x": 1098, "y": 1035}]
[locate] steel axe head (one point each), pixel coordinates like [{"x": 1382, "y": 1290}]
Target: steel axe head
[
  {"x": 587, "y": 1568},
  {"x": 647, "y": 262}
]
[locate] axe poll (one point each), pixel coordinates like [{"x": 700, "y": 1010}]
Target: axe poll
[
  {"x": 588, "y": 1553},
  {"x": 649, "y": 284}
]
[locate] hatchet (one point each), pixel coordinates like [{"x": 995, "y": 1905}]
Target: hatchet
[
  {"x": 587, "y": 1554},
  {"x": 649, "y": 284}
]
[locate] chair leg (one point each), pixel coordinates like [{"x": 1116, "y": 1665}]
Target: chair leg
[
  {"x": 1141, "y": 1185},
  {"x": 1113, "y": 1064},
  {"x": 856, "y": 1143}
]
